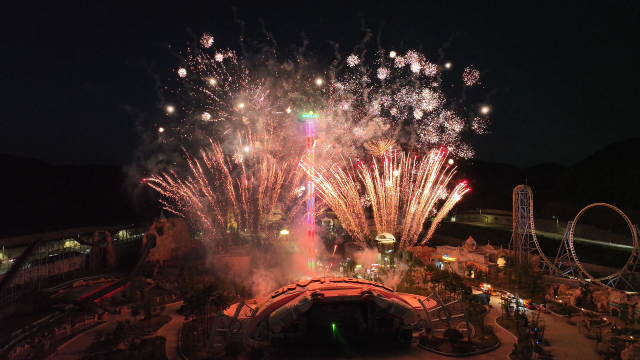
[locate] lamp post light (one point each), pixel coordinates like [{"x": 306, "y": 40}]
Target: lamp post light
[{"x": 557, "y": 225}]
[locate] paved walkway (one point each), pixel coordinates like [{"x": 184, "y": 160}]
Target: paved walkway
[
  {"x": 171, "y": 331},
  {"x": 568, "y": 341},
  {"x": 565, "y": 340}
]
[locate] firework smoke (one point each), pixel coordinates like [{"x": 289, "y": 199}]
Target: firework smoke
[{"x": 226, "y": 110}]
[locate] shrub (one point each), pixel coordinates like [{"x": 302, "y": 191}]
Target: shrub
[
  {"x": 234, "y": 348},
  {"x": 453, "y": 335}
]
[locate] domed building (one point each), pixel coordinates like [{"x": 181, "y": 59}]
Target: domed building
[{"x": 320, "y": 314}]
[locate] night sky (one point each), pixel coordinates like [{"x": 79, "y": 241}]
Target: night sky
[{"x": 562, "y": 79}]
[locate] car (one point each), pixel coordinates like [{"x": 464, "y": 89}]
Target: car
[
  {"x": 505, "y": 293},
  {"x": 528, "y": 304}
]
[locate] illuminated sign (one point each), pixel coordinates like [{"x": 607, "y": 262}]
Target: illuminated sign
[
  {"x": 448, "y": 258},
  {"x": 429, "y": 303},
  {"x": 309, "y": 115}
]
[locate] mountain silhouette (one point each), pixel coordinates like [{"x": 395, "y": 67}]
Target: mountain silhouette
[{"x": 39, "y": 197}]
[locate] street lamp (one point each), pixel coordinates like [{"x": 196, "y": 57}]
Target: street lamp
[{"x": 555, "y": 217}]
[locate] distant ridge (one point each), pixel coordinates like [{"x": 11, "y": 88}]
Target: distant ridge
[
  {"x": 39, "y": 197},
  {"x": 611, "y": 175},
  {"x": 10, "y": 163}
]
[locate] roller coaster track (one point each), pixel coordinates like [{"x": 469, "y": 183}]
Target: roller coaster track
[
  {"x": 26, "y": 254},
  {"x": 33, "y": 245},
  {"x": 607, "y": 281},
  {"x": 144, "y": 253},
  {"x": 19, "y": 262},
  {"x": 530, "y": 219},
  {"x": 632, "y": 258}
]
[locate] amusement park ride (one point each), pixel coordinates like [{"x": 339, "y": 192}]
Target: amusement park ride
[
  {"x": 566, "y": 264},
  {"x": 311, "y": 190}
]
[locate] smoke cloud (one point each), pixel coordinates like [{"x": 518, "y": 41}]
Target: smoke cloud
[{"x": 393, "y": 277}]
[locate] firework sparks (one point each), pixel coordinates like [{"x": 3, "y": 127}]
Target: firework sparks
[
  {"x": 452, "y": 199},
  {"x": 206, "y": 40},
  {"x": 430, "y": 69},
  {"x": 402, "y": 190},
  {"x": 383, "y": 73},
  {"x": 479, "y": 125},
  {"x": 401, "y": 94},
  {"x": 379, "y": 148},
  {"x": 228, "y": 100},
  {"x": 470, "y": 76},
  {"x": 353, "y": 60},
  {"x": 243, "y": 189}
]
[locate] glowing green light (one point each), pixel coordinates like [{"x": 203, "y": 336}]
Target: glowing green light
[
  {"x": 309, "y": 115},
  {"x": 333, "y": 326}
]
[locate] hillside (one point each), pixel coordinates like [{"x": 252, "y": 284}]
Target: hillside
[
  {"x": 610, "y": 175},
  {"x": 38, "y": 197}
]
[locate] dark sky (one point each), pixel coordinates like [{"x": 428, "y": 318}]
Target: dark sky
[{"x": 563, "y": 76}]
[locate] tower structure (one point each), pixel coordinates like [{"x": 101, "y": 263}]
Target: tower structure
[
  {"x": 522, "y": 243},
  {"x": 311, "y": 190},
  {"x": 564, "y": 265}
]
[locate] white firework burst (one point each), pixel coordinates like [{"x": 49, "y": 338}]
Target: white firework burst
[
  {"x": 383, "y": 73},
  {"x": 353, "y": 60},
  {"x": 470, "y": 76},
  {"x": 206, "y": 40}
]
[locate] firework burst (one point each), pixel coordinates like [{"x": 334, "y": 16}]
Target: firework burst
[
  {"x": 228, "y": 109},
  {"x": 206, "y": 40},
  {"x": 221, "y": 190},
  {"x": 397, "y": 95},
  {"x": 380, "y": 148},
  {"x": 470, "y": 76},
  {"x": 403, "y": 191}
]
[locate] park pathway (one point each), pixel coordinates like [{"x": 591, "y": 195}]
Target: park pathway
[
  {"x": 171, "y": 331},
  {"x": 567, "y": 342}
]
